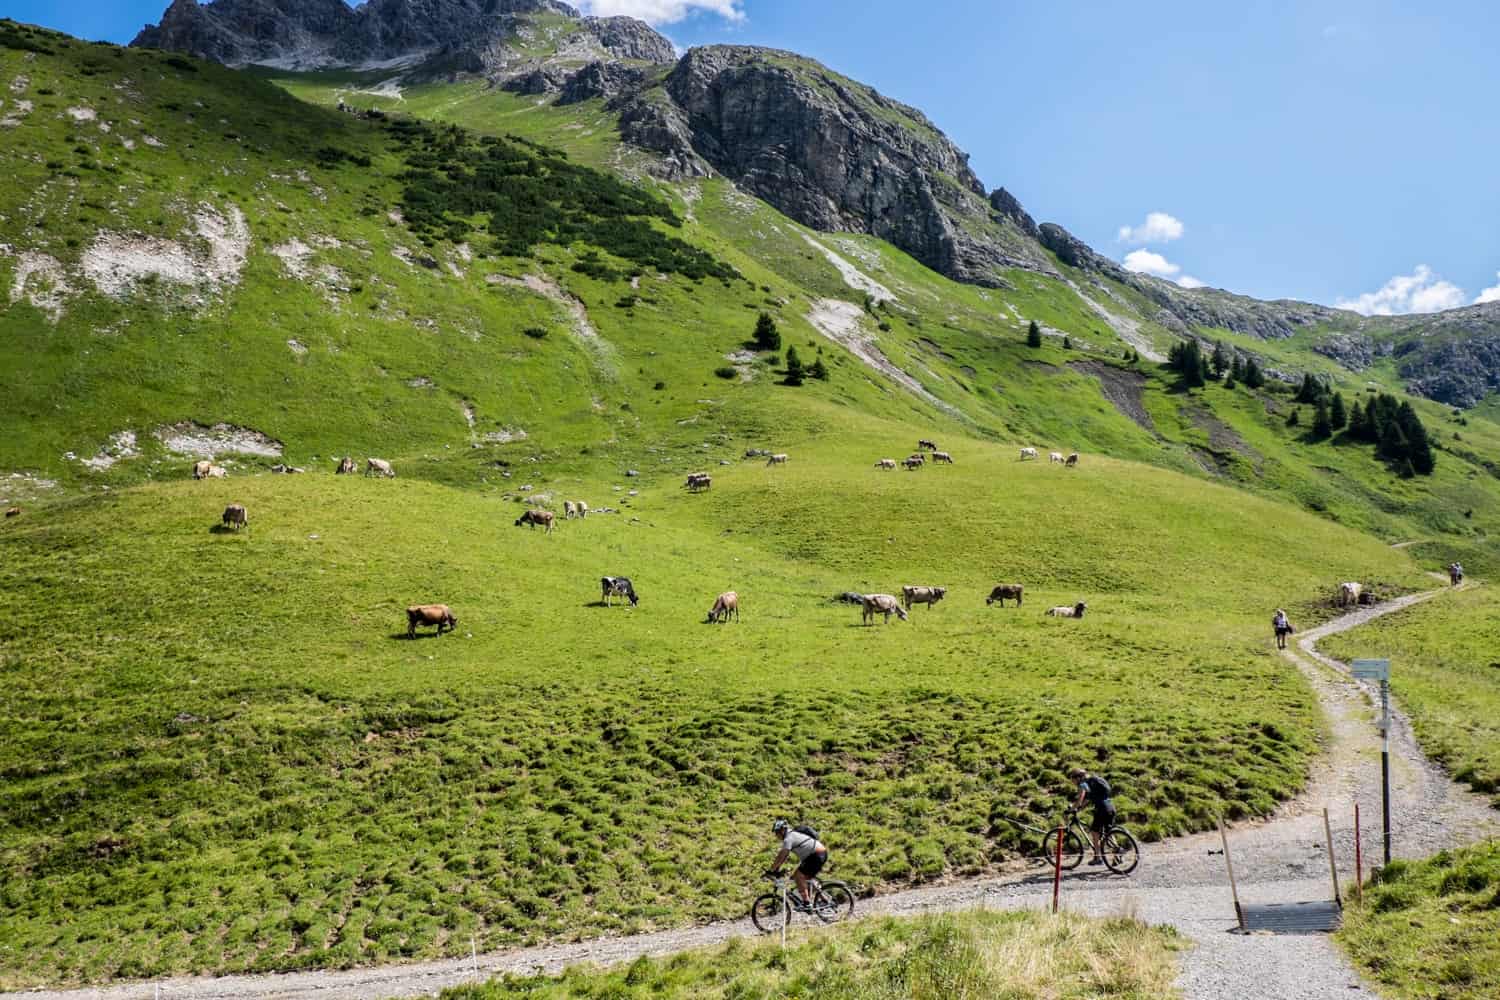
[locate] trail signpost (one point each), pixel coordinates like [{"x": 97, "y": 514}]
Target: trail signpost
[{"x": 1380, "y": 670}]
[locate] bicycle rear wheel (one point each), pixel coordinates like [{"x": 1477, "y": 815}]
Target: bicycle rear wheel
[
  {"x": 1121, "y": 853},
  {"x": 769, "y": 913},
  {"x": 1072, "y": 849},
  {"x": 833, "y": 902}
]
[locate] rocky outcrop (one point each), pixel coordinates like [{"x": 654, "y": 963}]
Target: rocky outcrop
[
  {"x": 601, "y": 79},
  {"x": 1005, "y": 205},
  {"x": 834, "y": 155},
  {"x": 1355, "y": 351},
  {"x": 1456, "y": 372},
  {"x": 1075, "y": 253},
  {"x": 440, "y": 36}
]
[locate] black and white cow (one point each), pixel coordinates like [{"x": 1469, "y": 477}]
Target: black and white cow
[{"x": 618, "y": 586}]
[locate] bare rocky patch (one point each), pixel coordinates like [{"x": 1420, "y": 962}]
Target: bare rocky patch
[
  {"x": 40, "y": 280},
  {"x": 121, "y": 444},
  {"x": 82, "y": 114},
  {"x": 22, "y": 486},
  {"x": 1124, "y": 389},
  {"x": 842, "y": 323},
  {"x": 189, "y": 438},
  {"x": 117, "y": 262},
  {"x": 853, "y": 276}
]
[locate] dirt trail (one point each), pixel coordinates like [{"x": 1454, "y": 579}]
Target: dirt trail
[{"x": 1278, "y": 859}]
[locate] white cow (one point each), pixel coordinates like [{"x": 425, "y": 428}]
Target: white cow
[{"x": 1027, "y": 453}]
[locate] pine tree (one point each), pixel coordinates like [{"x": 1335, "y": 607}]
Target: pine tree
[
  {"x": 1322, "y": 427},
  {"x": 793, "y": 367},
  {"x": 1295, "y": 419},
  {"x": 767, "y": 337},
  {"x": 1358, "y": 426},
  {"x": 1033, "y": 335},
  {"x": 1254, "y": 377},
  {"x": 1338, "y": 416},
  {"x": 1067, "y": 343},
  {"x": 1310, "y": 391},
  {"x": 1237, "y": 369},
  {"x": 1418, "y": 447},
  {"x": 1221, "y": 359},
  {"x": 819, "y": 370}
]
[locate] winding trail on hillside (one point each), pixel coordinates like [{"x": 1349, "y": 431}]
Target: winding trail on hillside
[{"x": 1180, "y": 882}]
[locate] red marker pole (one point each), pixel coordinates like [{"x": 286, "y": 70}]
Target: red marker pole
[{"x": 1057, "y": 867}]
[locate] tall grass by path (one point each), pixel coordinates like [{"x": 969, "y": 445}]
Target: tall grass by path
[{"x": 969, "y": 956}]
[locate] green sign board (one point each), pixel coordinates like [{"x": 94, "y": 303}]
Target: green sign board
[{"x": 1371, "y": 670}]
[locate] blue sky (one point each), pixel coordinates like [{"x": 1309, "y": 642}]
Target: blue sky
[{"x": 1337, "y": 151}]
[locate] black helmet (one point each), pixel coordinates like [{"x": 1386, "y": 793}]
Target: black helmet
[{"x": 779, "y": 827}]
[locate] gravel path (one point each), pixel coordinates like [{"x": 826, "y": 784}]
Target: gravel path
[{"x": 1179, "y": 882}]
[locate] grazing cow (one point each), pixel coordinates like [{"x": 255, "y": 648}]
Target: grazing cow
[
  {"x": 727, "y": 603},
  {"x": 379, "y": 467},
  {"x": 1076, "y": 611},
  {"x": 1027, "y": 453},
  {"x": 581, "y": 507},
  {"x": 778, "y": 459},
  {"x": 537, "y": 518},
  {"x": 287, "y": 470},
  {"x": 699, "y": 481},
  {"x": 922, "y": 595},
  {"x": 1003, "y": 591},
  {"x": 886, "y": 463},
  {"x": 429, "y": 614},
  {"x": 13, "y": 512},
  {"x": 569, "y": 510},
  {"x": 1350, "y": 594},
  {"x": 913, "y": 462},
  {"x": 235, "y": 517},
  {"x": 876, "y": 604},
  {"x": 345, "y": 467},
  {"x": 942, "y": 456},
  {"x": 217, "y": 472},
  {"x": 925, "y": 445},
  {"x": 618, "y": 586},
  {"x": 1055, "y": 457},
  {"x": 1071, "y": 461},
  {"x": 200, "y": 469}
]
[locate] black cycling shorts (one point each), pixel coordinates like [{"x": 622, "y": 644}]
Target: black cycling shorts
[
  {"x": 1104, "y": 818},
  {"x": 813, "y": 864}
]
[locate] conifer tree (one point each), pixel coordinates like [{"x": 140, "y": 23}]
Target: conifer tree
[
  {"x": 1322, "y": 427},
  {"x": 767, "y": 337},
  {"x": 1033, "y": 335},
  {"x": 818, "y": 370},
  {"x": 1221, "y": 359},
  {"x": 1295, "y": 419},
  {"x": 793, "y": 367},
  {"x": 1338, "y": 416}
]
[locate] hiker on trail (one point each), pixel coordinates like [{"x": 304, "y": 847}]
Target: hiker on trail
[
  {"x": 1094, "y": 789},
  {"x": 1456, "y": 574},
  {"x": 1282, "y": 627},
  {"x": 802, "y": 842}
]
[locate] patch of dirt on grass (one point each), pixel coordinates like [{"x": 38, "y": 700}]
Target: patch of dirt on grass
[
  {"x": 40, "y": 280},
  {"x": 1124, "y": 389},
  {"x": 840, "y": 322},
  {"x": 19, "y": 84},
  {"x": 1221, "y": 437},
  {"x": 505, "y": 435},
  {"x": 19, "y": 486},
  {"x": 121, "y": 444},
  {"x": 189, "y": 438},
  {"x": 82, "y": 114},
  {"x": 116, "y": 262}
]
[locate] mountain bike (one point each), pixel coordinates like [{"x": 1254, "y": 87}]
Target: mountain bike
[
  {"x": 1121, "y": 853},
  {"x": 831, "y": 902}
]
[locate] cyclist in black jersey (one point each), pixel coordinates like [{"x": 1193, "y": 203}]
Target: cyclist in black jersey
[{"x": 1095, "y": 790}]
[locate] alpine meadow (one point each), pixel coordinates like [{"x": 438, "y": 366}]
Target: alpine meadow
[{"x": 561, "y": 262}]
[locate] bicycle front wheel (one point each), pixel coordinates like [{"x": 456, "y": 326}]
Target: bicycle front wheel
[
  {"x": 770, "y": 913},
  {"x": 1072, "y": 849},
  {"x": 1120, "y": 851},
  {"x": 833, "y": 902}
]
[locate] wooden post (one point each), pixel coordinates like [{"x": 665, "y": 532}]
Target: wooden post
[
  {"x": 1359, "y": 868},
  {"x": 1333, "y": 869},
  {"x": 1062, "y": 832},
  {"x": 1239, "y": 914},
  {"x": 474, "y": 953}
]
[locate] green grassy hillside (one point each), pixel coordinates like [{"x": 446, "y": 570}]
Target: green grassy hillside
[
  {"x": 1013, "y": 955},
  {"x": 216, "y": 750},
  {"x": 221, "y": 754}
]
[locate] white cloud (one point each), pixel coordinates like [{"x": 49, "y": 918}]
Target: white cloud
[
  {"x": 664, "y": 11},
  {"x": 1491, "y": 294},
  {"x": 1159, "y": 227},
  {"x": 1418, "y": 292},
  {"x": 1188, "y": 281},
  {"x": 1146, "y": 262}
]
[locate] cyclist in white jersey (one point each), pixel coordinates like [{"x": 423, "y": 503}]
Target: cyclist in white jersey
[{"x": 810, "y": 852}]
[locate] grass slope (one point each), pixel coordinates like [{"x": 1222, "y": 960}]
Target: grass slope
[
  {"x": 1013, "y": 955},
  {"x": 1431, "y": 929},
  {"x": 219, "y": 753},
  {"x": 1445, "y": 669}
]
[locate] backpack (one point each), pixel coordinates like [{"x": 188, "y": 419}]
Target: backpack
[
  {"x": 1099, "y": 789},
  {"x": 807, "y": 831}
]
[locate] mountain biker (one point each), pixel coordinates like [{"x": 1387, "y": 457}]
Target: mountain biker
[
  {"x": 1282, "y": 627},
  {"x": 811, "y": 854},
  {"x": 1096, "y": 790}
]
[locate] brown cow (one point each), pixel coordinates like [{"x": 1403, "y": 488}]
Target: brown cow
[
  {"x": 235, "y": 517},
  {"x": 876, "y": 604},
  {"x": 886, "y": 463},
  {"x": 346, "y": 467},
  {"x": 537, "y": 518},
  {"x": 925, "y": 445},
  {"x": 13, "y": 512},
  {"x": 200, "y": 469},
  {"x": 1003, "y": 591},
  {"x": 780, "y": 458},
  {"x": 942, "y": 456},
  {"x": 913, "y": 462},
  {"x": 726, "y": 604},
  {"x": 429, "y": 614},
  {"x": 922, "y": 595},
  {"x": 379, "y": 467}
]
